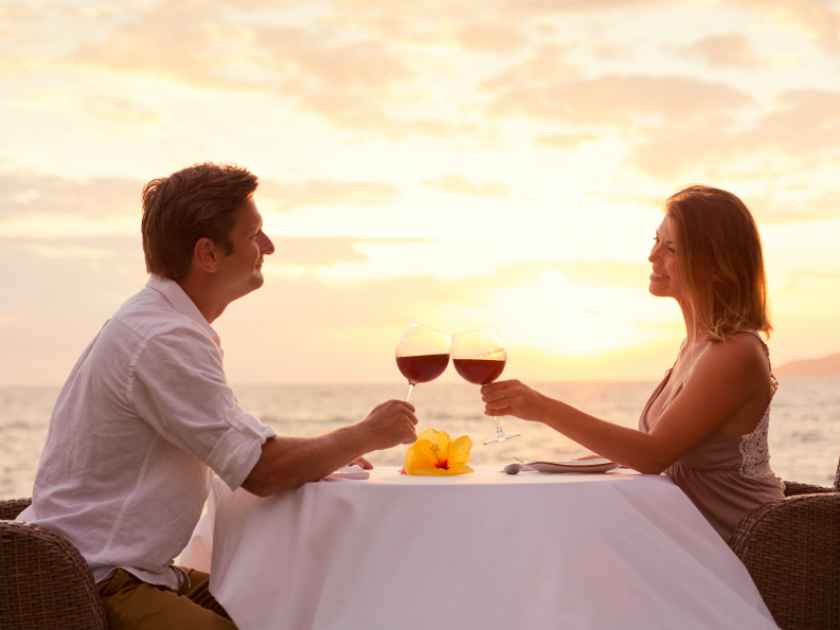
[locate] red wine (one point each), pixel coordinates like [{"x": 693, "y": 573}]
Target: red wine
[
  {"x": 479, "y": 371},
  {"x": 423, "y": 367}
]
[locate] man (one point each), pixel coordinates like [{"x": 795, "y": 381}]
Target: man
[{"x": 146, "y": 412}]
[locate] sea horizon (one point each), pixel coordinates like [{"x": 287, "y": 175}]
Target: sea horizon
[{"x": 803, "y": 438}]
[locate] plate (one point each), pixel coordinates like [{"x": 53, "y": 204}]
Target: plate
[{"x": 593, "y": 465}]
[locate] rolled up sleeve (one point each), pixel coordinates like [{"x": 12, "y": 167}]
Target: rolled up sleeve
[{"x": 178, "y": 387}]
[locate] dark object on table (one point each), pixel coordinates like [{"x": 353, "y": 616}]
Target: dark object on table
[
  {"x": 44, "y": 582},
  {"x": 791, "y": 547}
]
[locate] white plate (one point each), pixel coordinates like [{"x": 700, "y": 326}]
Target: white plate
[{"x": 593, "y": 465}]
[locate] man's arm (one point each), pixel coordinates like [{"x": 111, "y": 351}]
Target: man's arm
[{"x": 290, "y": 462}]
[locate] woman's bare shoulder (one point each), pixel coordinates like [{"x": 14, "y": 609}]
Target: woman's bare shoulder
[{"x": 742, "y": 356}]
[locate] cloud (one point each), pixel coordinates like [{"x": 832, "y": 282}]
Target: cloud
[
  {"x": 71, "y": 251},
  {"x": 805, "y": 121},
  {"x": 796, "y": 206},
  {"x": 546, "y": 66},
  {"x": 349, "y": 77},
  {"x": 312, "y": 253},
  {"x": 351, "y": 83},
  {"x": 491, "y": 37},
  {"x": 820, "y": 20},
  {"x": 293, "y": 195},
  {"x": 28, "y": 194},
  {"x": 178, "y": 41},
  {"x": 542, "y": 8},
  {"x": 462, "y": 186},
  {"x": 621, "y": 101},
  {"x": 801, "y": 133},
  {"x": 120, "y": 110},
  {"x": 48, "y": 201},
  {"x": 726, "y": 50}
]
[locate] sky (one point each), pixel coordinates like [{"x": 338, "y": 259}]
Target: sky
[{"x": 452, "y": 164}]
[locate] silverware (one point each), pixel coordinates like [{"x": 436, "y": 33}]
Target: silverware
[{"x": 516, "y": 467}]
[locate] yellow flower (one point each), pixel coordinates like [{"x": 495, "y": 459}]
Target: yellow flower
[{"x": 434, "y": 453}]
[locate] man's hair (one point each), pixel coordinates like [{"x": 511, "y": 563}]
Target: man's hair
[
  {"x": 195, "y": 202},
  {"x": 722, "y": 260}
]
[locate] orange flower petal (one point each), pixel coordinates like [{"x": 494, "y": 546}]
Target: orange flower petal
[
  {"x": 459, "y": 451},
  {"x": 434, "y": 454}
]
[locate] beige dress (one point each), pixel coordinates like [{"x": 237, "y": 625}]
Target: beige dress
[{"x": 726, "y": 477}]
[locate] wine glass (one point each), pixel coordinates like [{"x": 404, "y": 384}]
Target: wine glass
[
  {"x": 422, "y": 355},
  {"x": 479, "y": 356}
]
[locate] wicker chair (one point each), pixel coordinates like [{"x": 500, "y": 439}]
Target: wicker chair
[
  {"x": 791, "y": 547},
  {"x": 44, "y": 582}
]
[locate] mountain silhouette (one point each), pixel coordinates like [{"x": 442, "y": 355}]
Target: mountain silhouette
[{"x": 824, "y": 366}]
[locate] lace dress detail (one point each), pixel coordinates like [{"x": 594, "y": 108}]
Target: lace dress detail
[{"x": 755, "y": 453}]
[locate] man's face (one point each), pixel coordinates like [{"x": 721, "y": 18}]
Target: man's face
[{"x": 240, "y": 271}]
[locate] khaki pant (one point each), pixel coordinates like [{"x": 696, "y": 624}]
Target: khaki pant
[{"x": 135, "y": 605}]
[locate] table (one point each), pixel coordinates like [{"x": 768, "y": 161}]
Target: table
[{"x": 479, "y": 551}]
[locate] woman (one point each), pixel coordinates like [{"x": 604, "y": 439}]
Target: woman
[{"x": 705, "y": 425}]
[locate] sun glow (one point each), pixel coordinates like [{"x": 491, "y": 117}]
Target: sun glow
[
  {"x": 563, "y": 318},
  {"x": 505, "y": 169}
]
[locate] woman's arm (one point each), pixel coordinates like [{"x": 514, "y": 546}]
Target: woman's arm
[{"x": 728, "y": 375}]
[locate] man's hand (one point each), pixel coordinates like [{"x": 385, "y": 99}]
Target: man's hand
[
  {"x": 361, "y": 462},
  {"x": 389, "y": 424}
]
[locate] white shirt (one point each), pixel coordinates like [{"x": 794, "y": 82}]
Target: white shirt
[{"x": 146, "y": 409}]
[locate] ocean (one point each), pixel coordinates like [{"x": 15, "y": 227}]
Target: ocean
[{"x": 804, "y": 422}]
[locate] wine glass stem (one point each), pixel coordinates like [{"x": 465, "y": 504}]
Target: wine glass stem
[
  {"x": 500, "y": 432},
  {"x": 410, "y": 391}
]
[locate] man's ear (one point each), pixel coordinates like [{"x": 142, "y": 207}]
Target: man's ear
[{"x": 206, "y": 255}]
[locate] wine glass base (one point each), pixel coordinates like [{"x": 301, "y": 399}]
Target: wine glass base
[{"x": 503, "y": 437}]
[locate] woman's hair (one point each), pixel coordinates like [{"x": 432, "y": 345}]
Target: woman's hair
[
  {"x": 195, "y": 202},
  {"x": 722, "y": 260}
]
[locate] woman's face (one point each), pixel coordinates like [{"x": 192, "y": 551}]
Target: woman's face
[{"x": 666, "y": 278}]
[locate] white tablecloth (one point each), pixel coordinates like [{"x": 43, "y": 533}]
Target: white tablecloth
[{"x": 480, "y": 551}]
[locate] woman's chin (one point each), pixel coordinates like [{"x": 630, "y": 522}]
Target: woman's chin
[{"x": 657, "y": 289}]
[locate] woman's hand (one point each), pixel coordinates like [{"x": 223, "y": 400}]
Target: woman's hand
[{"x": 514, "y": 398}]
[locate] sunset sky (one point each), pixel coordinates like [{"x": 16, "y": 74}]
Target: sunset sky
[{"x": 457, "y": 164}]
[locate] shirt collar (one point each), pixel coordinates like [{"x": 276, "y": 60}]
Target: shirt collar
[{"x": 180, "y": 301}]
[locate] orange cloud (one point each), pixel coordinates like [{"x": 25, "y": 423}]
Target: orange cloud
[
  {"x": 731, "y": 49},
  {"x": 354, "y": 79},
  {"x": 546, "y": 66},
  {"x": 820, "y": 20},
  {"x": 31, "y": 194},
  {"x": 491, "y": 37},
  {"x": 622, "y": 101},
  {"x": 801, "y": 130}
]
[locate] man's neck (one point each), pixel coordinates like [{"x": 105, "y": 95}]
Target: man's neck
[{"x": 205, "y": 297}]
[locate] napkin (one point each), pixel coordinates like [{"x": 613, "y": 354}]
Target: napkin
[
  {"x": 348, "y": 472},
  {"x": 436, "y": 454}
]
